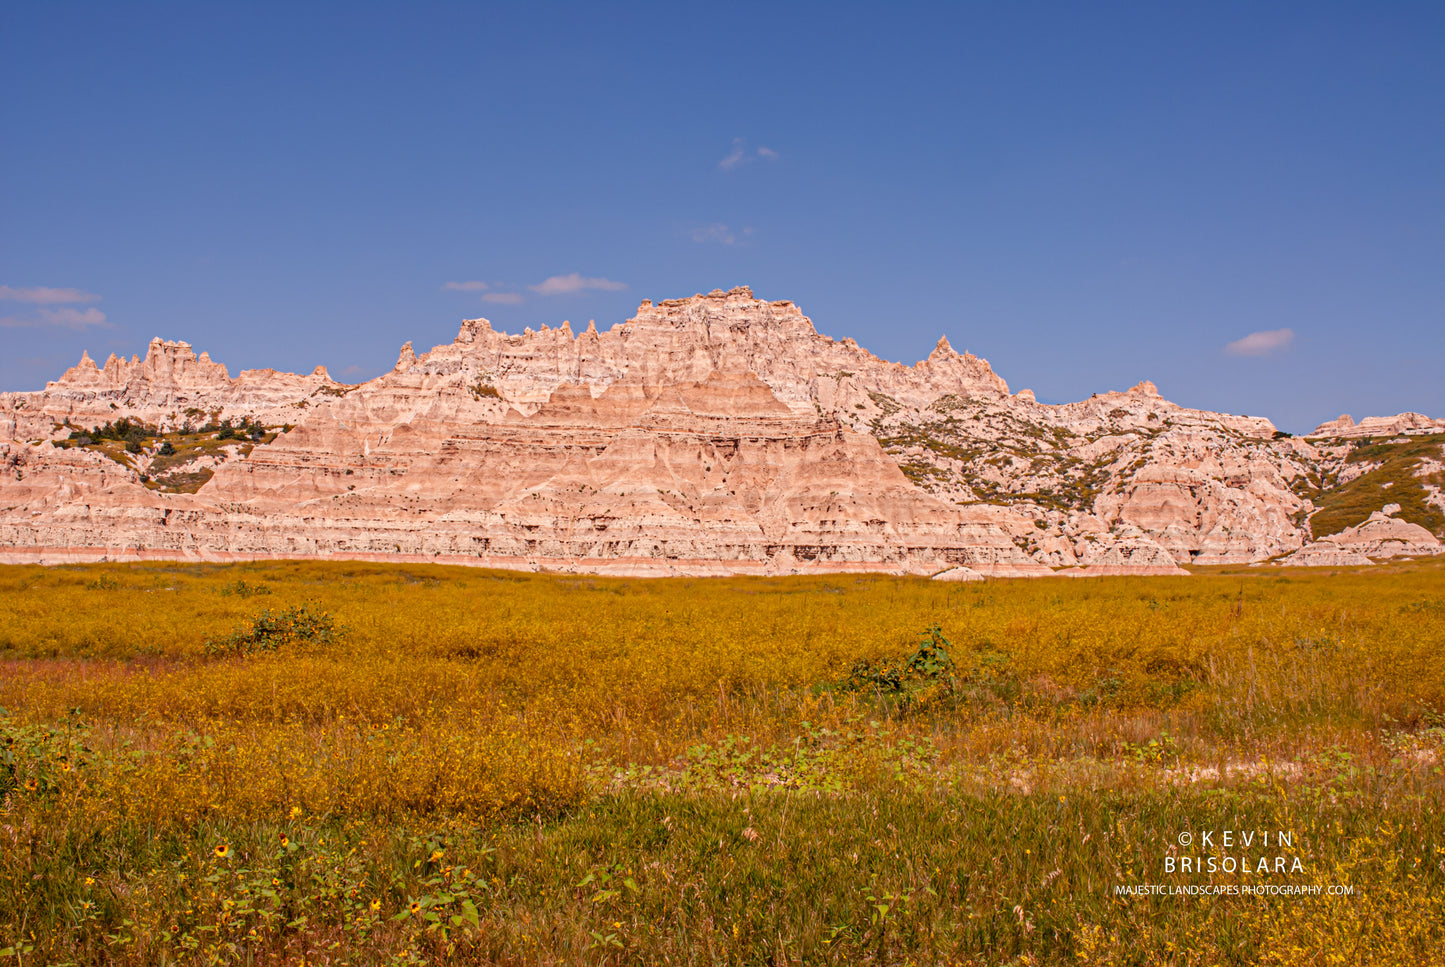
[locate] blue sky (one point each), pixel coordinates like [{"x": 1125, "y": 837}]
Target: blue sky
[{"x": 1084, "y": 194}]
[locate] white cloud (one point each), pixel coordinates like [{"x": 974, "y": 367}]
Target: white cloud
[
  {"x": 504, "y": 298},
  {"x": 465, "y": 286},
  {"x": 564, "y": 284},
  {"x": 1261, "y": 343},
  {"x": 63, "y": 318},
  {"x": 718, "y": 232},
  {"x": 741, "y": 154},
  {"x": 734, "y": 157},
  {"x": 39, "y": 295}
]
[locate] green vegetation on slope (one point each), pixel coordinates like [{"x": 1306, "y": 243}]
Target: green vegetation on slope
[
  {"x": 1394, "y": 481},
  {"x": 172, "y": 453}
]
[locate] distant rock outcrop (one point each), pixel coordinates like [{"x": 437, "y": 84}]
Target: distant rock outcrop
[
  {"x": 1325, "y": 554},
  {"x": 1382, "y": 535},
  {"x": 1401, "y": 424},
  {"x": 718, "y": 434},
  {"x": 170, "y": 380}
]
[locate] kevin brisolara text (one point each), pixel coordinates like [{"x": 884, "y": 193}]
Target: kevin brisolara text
[{"x": 1231, "y": 889}]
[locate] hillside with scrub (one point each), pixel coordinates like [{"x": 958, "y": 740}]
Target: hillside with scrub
[{"x": 353, "y": 763}]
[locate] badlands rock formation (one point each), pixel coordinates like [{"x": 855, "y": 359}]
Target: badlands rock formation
[
  {"x": 1385, "y": 536},
  {"x": 710, "y": 435},
  {"x": 1401, "y": 424},
  {"x": 169, "y": 381}
]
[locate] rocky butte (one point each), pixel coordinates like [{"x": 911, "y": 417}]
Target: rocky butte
[{"x": 719, "y": 434}]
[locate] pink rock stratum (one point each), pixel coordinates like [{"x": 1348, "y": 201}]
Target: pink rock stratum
[{"x": 719, "y": 434}]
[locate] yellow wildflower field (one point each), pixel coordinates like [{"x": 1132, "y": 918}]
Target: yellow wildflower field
[{"x": 357, "y": 763}]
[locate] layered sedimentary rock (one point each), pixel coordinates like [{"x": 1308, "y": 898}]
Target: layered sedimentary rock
[
  {"x": 716, "y": 476},
  {"x": 169, "y": 387},
  {"x": 1401, "y": 424},
  {"x": 1325, "y": 554},
  {"x": 1382, "y": 536},
  {"x": 716, "y": 434}
]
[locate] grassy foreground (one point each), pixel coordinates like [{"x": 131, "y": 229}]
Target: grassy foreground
[{"x": 348, "y": 763}]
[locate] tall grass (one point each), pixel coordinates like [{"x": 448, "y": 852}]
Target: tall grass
[{"x": 502, "y": 768}]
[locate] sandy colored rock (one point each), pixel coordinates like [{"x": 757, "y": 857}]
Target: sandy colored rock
[
  {"x": 1383, "y": 536},
  {"x": 716, "y": 434},
  {"x": 710, "y": 477},
  {"x": 959, "y": 574},
  {"x": 1401, "y": 424},
  {"x": 1131, "y": 555},
  {"x": 1325, "y": 554}
]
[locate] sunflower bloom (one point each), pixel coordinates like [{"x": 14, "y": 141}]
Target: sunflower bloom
[{"x": 223, "y": 851}]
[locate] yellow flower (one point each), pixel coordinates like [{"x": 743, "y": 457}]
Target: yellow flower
[
  {"x": 285, "y": 840},
  {"x": 223, "y": 851},
  {"x": 295, "y": 811},
  {"x": 31, "y": 785},
  {"x": 375, "y": 905},
  {"x": 90, "y": 881},
  {"x": 415, "y": 907},
  {"x": 64, "y": 766},
  {"x": 275, "y": 882},
  {"x": 436, "y": 855}
]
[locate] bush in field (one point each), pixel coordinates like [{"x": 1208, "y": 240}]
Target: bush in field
[
  {"x": 926, "y": 673},
  {"x": 271, "y": 630},
  {"x": 242, "y": 590}
]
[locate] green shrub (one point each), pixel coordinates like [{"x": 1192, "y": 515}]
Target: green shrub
[
  {"x": 908, "y": 680},
  {"x": 242, "y": 590},
  {"x": 270, "y": 631}
]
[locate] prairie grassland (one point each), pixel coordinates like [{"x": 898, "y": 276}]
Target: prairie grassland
[{"x": 349, "y": 763}]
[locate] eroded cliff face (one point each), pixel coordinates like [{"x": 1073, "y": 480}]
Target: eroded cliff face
[
  {"x": 683, "y": 340},
  {"x": 169, "y": 387},
  {"x": 711, "y": 435}
]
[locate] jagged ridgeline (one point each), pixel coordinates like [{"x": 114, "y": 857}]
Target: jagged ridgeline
[{"x": 719, "y": 434}]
